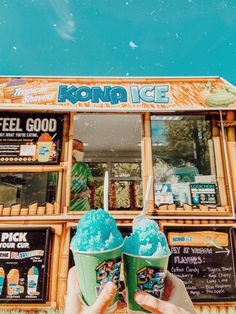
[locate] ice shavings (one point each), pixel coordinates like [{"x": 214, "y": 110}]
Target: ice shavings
[
  {"x": 147, "y": 240},
  {"x": 96, "y": 231}
]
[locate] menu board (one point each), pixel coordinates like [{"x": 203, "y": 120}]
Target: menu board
[
  {"x": 24, "y": 255},
  {"x": 204, "y": 258},
  {"x": 27, "y": 138}
]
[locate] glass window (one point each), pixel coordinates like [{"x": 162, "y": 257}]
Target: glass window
[
  {"x": 125, "y": 185},
  {"x": 27, "y": 188},
  {"x": 128, "y": 195},
  {"x": 98, "y": 169},
  {"x": 184, "y": 160},
  {"x": 97, "y": 200},
  {"x": 112, "y": 143},
  {"x": 126, "y": 169}
]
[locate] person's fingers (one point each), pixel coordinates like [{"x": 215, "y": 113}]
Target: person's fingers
[
  {"x": 176, "y": 293},
  {"x": 105, "y": 298},
  {"x": 124, "y": 295},
  {"x": 149, "y": 303},
  {"x": 72, "y": 303},
  {"x": 174, "y": 280},
  {"x": 83, "y": 195},
  {"x": 72, "y": 280},
  {"x": 120, "y": 305},
  {"x": 169, "y": 286}
]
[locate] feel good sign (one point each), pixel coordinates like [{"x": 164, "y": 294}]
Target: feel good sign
[
  {"x": 28, "y": 138},
  {"x": 13, "y": 124}
]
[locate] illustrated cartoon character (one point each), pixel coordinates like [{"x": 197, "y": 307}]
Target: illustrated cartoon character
[
  {"x": 116, "y": 272},
  {"x": 151, "y": 280},
  {"x": 150, "y": 272},
  {"x": 108, "y": 270},
  {"x": 101, "y": 273},
  {"x": 110, "y": 266}
]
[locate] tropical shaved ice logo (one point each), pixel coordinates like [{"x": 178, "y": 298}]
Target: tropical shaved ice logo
[
  {"x": 32, "y": 281},
  {"x": 2, "y": 278},
  {"x": 44, "y": 147}
]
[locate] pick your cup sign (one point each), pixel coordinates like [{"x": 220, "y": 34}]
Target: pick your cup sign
[{"x": 24, "y": 264}]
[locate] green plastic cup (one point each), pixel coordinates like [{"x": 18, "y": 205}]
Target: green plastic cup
[
  {"x": 146, "y": 273},
  {"x": 95, "y": 269}
]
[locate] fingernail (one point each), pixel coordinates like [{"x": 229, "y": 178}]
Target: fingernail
[{"x": 139, "y": 297}]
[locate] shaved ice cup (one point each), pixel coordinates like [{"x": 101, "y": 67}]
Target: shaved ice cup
[
  {"x": 146, "y": 273},
  {"x": 95, "y": 269}
]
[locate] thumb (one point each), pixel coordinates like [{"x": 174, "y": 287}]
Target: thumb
[
  {"x": 105, "y": 298},
  {"x": 149, "y": 303}
]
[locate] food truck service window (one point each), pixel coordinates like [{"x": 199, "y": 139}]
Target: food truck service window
[
  {"x": 110, "y": 143},
  {"x": 125, "y": 184},
  {"x": 186, "y": 158},
  {"x": 27, "y": 188}
]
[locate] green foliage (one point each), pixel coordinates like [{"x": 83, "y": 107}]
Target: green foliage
[
  {"x": 98, "y": 169},
  {"x": 126, "y": 169},
  {"x": 184, "y": 143}
]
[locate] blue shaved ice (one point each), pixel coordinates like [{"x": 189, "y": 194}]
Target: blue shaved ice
[
  {"x": 146, "y": 240},
  {"x": 96, "y": 231}
]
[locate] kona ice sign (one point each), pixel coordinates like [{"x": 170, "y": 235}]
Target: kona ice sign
[
  {"x": 96, "y": 94},
  {"x": 157, "y": 94}
]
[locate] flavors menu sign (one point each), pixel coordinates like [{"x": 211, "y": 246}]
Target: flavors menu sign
[
  {"x": 204, "y": 258},
  {"x": 24, "y": 254},
  {"x": 30, "y": 138}
]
